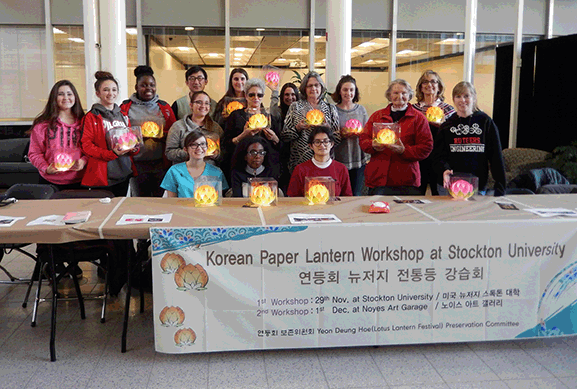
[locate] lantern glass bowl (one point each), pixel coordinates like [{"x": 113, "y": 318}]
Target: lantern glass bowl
[
  {"x": 386, "y": 133},
  {"x": 207, "y": 191},
  {"x": 263, "y": 191},
  {"x": 319, "y": 190}
]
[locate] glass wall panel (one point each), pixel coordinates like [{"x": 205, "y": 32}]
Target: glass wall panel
[{"x": 69, "y": 58}]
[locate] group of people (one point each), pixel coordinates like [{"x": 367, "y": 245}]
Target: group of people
[{"x": 204, "y": 137}]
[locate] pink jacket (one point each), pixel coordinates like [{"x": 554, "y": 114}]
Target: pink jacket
[{"x": 45, "y": 143}]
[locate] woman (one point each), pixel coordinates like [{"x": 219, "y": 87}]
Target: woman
[
  {"x": 108, "y": 169},
  {"x": 142, "y": 107},
  {"x": 236, "y": 81},
  {"x": 237, "y": 126},
  {"x": 393, "y": 168},
  {"x": 56, "y": 130},
  {"x": 349, "y": 151},
  {"x": 296, "y": 130},
  {"x": 250, "y": 160},
  {"x": 468, "y": 142},
  {"x": 200, "y": 120},
  {"x": 289, "y": 93},
  {"x": 430, "y": 93},
  {"x": 321, "y": 142},
  {"x": 179, "y": 180}
]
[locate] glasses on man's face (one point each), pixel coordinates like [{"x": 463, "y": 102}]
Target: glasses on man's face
[
  {"x": 324, "y": 142},
  {"x": 199, "y": 78},
  {"x": 201, "y": 145},
  {"x": 252, "y": 94},
  {"x": 201, "y": 103},
  {"x": 254, "y": 153},
  {"x": 432, "y": 82}
]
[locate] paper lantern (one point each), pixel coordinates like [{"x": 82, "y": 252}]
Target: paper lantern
[
  {"x": 319, "y": 190},
  {"x": 352, "y": 127},
  {"x": 151, "y": 130},
  {"x": 386, "y": 137},
  {"x": 127, "y": 141},
  {"x": 272, "y": 78},
  {"x": 63, "y": 161},
  {"x": 205, "y": 195},
  {"x": 263, "y": 191},
  {"x": 212, "y": 147},
  {"x": 463, "y": 187},
  {"x": 318, "y": 194},
  {"x": 315, "y": 117},
  {"x": 257, "y": 121},
  {"x": 233, "y": 106},
  {"x": 435, "y": 114}
]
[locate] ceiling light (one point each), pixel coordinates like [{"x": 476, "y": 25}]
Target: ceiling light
[
  {"x": 77, "y": 40},
  {"x": 260, "y": 29},
  {"x": 131, "y": 31},
  {"x": 451, "y": 41},
  {"x": 367, "y": 44},
  {"x": 295, "y": 50},
  {"x": 184, "y": 48},
  {"x": 240, "y": 48},
  {"x": 188, "y": 28},
  {"x": 410, "y": 53},
  {"x": 57, "y": 31},
  {"x": 213, "y": 55}
]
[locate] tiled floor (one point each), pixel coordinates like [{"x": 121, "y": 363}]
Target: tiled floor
[{"x": 89, "y": 356}]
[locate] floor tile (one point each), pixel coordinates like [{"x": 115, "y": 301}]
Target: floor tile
[
  {"x": 536, "y": 383},
  {"x": 293, "y": 369},
  {"x": 350, "y": 368},
  {"x": 393, "y": 363}
]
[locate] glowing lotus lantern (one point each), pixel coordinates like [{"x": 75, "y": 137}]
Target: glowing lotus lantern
[
  {"x": 151, "y": 130},
  {"x": 319, "y": 190},
  {"x": 315, "y": 117},
  {"x": 463, "y": 187},
  {"x": 171, "y": 262},
  {"x": 386, "y": 137},
  {"x": 171, "y": 317},
  {"x": 207, "y": 191},
  {"x": 435, "y": 114},
  {"x": 63, "y": 161},
  {"x": 184, "y": 337},
  {"x": 127, "y": 141},
  {"x": 191, "y": 277},
  {"x": 273, "y": 79},
  {"x": 212, "y": 147},
  {"x": 233, "y": 106},
  {"x": 257, "y": 121},
  {"x": 263, "y": 191},
  {"x": 352, "y": 127}
]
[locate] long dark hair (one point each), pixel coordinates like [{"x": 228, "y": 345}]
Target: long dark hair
[
  {"x": 336, "y": 96},
  {"x": 284, "y": 107},
  {"x": 230, "y": 91},
  {"x": 50, "y": 112},
  {"x": 238, "y": 158}
]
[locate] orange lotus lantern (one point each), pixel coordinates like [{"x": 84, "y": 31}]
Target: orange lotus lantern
[
  {"x": 151, "y": 129},
  {"x": 207, "y": 191},
  {"x": 233, "y": 106},
  {"x": 434, "y": 114},
  {"x": 171, "y": 317},
  {"x": 352, "y": 127},
  {"x": 315, "y": 117},
  {"x": 184, "y": 337},
  {"x": 191, "y": 277},
  {"x": 263, "y": 191},
  {"x": 212, "y": 147},
  {"x": 257, "y": 121},
  {"x": 386, "y": 133},
  {"x": 63, "y": 161},
  {"x": 319, "y": 190}
]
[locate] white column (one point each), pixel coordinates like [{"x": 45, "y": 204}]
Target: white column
[
  {"x": 339, "y": 36},
  {"x": 393, "y": 42},
  {"x": 312, "y": 27},
  {"x": 91, "y": 47},
  {"x": 517, "y": 46},
  {"x": 113, "y": 40},
  {"x": 49, "y": 39},
  {"x": 140, "y": 43},
  {"x": 226, "y": 43},
  {"x": 550, "y": 19},
  {"x": 470, "y": 40}
]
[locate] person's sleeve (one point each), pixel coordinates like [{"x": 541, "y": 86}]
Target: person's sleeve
[
  {"x": 274, "y": 100},
  {"x": 296, "y": 185},
  {"x": 441, "y": 155},
  {"x": 346, "y": 189},
  {"x": 37, "y": 149},
  {"x": 173, "y": 150},
  {"x": 89, "y": 146},
  {"x": 236, "y": 183},
  {"x": 170, "y": 118},
  {"x": 174, "y": 107},
  {"x": 496, "y": 159},
  {"x": 169, "y": 182},
  {"x": 289, "y": 131},
  {"x": 224, "y": 182},
  {"x": 366, "y": 137},
  {"x": 423, "y": 141}
]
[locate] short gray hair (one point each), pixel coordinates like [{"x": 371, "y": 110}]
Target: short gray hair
[
  {"x": 305, "y": 81},
  {"x": 251, "y": 83},
  {"x": 400, "y": 81}
]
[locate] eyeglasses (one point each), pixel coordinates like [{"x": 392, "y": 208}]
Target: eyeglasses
[
  {"x": 324, "y": 142},
  {"x": 252, "y": 94},
  {"x": 197, "y": 145},
  {"x": 200, "y": 102},
  {"x": 432, "y": 82},
  {"x": 254, "y": 153},
  {"x": 199, "y": 78}
]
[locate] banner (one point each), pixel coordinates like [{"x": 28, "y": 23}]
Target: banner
[{"x": 241, "y": 288}]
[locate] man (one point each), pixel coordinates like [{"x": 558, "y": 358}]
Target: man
[{"x": 196, "y": 80}]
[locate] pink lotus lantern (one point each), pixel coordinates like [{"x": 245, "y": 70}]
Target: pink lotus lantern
[
  {"x": 463, "y": 187},
  {"x": 63, "y": 161},
  {"x": 352, "y": 127},
  {"x": 272, "y": 78},
  {"x": 127, "y": 141}
]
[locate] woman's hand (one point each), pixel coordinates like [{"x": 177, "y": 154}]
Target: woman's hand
[
  {"x": 225, "y": 114},
  {"x": 270, "y": 135},
  {"x": 398, "y": 147},
  {"x": 119, "y": 152},
  {"x": 447, "y": 178},
  {"x": 51, "y": 170},
  {"x": 247, "y": 131},
  {"x": 78, "y": 165},
  {"x": 378, "y": 146},
  {"x": 302, "y": 125}
]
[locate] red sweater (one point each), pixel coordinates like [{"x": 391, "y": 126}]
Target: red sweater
[
  {"x": 336, "y": 170},
  {"x": 387, "y": 168}
]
